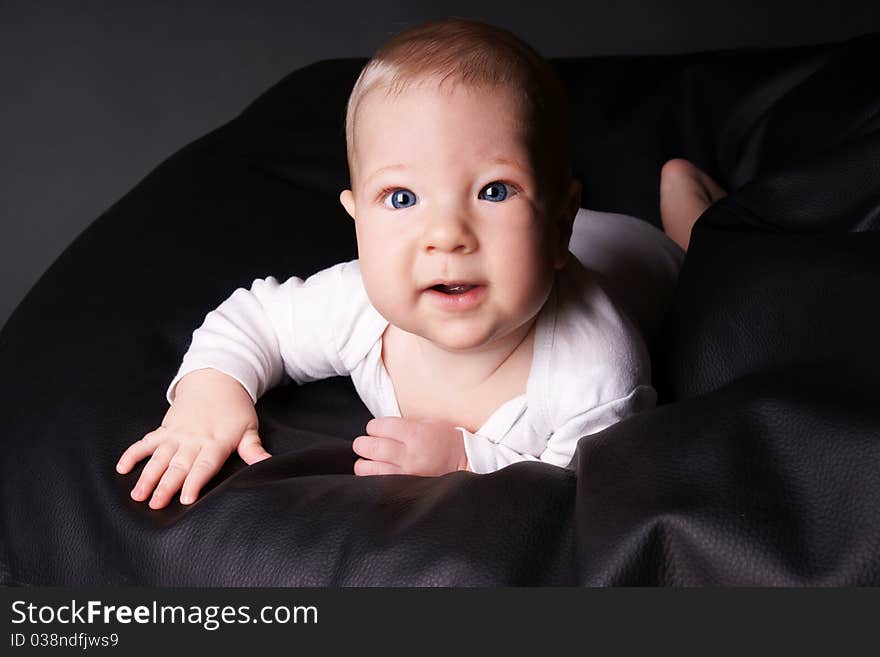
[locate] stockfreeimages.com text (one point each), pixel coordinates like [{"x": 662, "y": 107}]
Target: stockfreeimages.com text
[{"x": 210, "y": 617}]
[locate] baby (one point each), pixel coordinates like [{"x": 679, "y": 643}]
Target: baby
[{"x": 469, "y": 330}]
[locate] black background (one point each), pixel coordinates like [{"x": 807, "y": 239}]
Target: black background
[{"x": 96, "y": 94}]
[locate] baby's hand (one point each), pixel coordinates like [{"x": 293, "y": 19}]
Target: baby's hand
[
  {"x": 397, "y": 446},
  {"x": 212, "y": 414}
]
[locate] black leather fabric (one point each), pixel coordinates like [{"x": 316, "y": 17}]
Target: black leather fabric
[{"x": 761, "y": 465}]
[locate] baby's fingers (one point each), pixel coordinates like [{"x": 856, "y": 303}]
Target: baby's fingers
[
  {"x": 178, "y": 468},
  {"x": 250, "y": 449},
  {"x": 206, "y": 464},
  {"x": 154, "y": 469},
  {"x": 366, "y": 467},
  {"x": 378, "y": 449},
  {"x": 137, "y": 452}
]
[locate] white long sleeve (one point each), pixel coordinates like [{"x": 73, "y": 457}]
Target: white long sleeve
[{"x": 303, "y": 330}]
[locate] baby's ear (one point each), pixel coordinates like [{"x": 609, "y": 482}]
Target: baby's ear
[
  {"x": 347, "y": 199},
  {"x": 567, "y": 212}
]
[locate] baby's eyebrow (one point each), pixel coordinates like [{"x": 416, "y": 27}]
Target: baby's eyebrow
[
  {"x": 513, "y": 163},
  {"x": 390, "y": 167},
  {"x": 493, "y": 160}
]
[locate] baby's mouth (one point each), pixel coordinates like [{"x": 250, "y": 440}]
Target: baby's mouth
[
  {"x": 453, "y": 288},
  {"x": 456, "y": 296}
]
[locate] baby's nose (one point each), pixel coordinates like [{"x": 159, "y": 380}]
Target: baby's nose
[{"x": 450, "y": 235}]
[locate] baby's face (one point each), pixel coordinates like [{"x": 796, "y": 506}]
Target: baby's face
[{"x": 454, "y": 239}]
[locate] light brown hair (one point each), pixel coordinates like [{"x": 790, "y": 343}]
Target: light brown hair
[{"x": 478, "y": 55}]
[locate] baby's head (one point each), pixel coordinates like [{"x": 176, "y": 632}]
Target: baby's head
[{"x": 462, "y": 191}]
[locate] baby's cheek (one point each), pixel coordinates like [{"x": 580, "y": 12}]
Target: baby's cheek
[
  {"x": 530, "y": 287},
  {"x": 388, "y": 298}
]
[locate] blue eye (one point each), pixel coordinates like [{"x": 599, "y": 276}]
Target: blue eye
[
  {"x": 495, "y": 191},
  {"x": 400, "y": 198}
]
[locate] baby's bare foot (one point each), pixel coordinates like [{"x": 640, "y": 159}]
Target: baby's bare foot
[{"x": 685, "y": 193}]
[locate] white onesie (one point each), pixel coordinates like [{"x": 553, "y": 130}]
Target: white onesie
[{"x": 590, "y": 365}]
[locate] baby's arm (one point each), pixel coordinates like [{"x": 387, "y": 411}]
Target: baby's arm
[
  {"x": 248, "y": 345},
  {"x": 397, "y": 446}
]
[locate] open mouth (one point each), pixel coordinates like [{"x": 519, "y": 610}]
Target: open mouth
[
  {"x": 456, "y": 296},
  {"x": 453, "y": 288}
]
